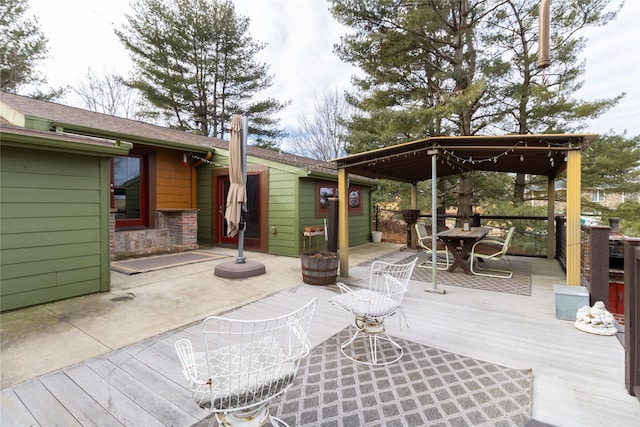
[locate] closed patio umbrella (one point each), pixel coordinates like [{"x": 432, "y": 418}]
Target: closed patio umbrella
[
  {"x": 237, "y": 196},
  {"x": 236, "y": 203}
]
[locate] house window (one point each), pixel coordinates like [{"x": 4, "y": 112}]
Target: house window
[
  {"x": 325, "y": 191},
  {"x": 128, "y": 190},
  {"x": 597, "y": 195}
]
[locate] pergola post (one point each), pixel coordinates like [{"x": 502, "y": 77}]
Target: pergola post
[
  {"x": 573, "y": 217},
  {"x": 343, "y": 221}
]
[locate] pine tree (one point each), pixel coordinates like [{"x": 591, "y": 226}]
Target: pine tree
[
  {"x": 195, "y": 62},
  {"x": 612, "y": 164},
  {"x": 524, "y": 98},
  {"x": 420, "y": 65},
  {"x": 23, "y": 47}
]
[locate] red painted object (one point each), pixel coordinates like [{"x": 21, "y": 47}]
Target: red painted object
[{"x": 616, "y": 298}]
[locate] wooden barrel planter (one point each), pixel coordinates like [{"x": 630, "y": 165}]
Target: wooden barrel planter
[{"x": 319, "y": 268}]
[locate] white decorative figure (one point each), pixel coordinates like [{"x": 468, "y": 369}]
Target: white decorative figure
[{"x": 596, "y": 320}]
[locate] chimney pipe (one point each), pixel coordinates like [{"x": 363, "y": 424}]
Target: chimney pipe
[{"x": 543, "y": 37}]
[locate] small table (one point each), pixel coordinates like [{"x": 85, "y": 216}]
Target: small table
[
  {"x": 308, "y": 237},
  {"x": 460, "y": 242}
]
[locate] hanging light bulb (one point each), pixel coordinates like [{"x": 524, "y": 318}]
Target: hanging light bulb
[{"x": 521, "y": 158}]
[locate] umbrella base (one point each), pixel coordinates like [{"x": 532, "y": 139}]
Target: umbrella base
[{"x": 234, "y": 270}]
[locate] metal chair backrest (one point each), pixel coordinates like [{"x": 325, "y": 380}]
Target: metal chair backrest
[
  {"x": 245, "y": 363},
  {"x": 507, "y": 240},
  {"x": 391, "y": 281}
]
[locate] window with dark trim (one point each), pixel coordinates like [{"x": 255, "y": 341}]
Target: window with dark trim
[
  {"x": 129, "y": 190},
  {"x": 327, "y": 190}
]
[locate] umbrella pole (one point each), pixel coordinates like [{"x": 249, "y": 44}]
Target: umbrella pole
[{"x": 243, "y": 223}]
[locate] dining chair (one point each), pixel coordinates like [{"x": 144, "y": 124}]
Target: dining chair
[
  {"x": 371, "y": 306},
  {"x": 242, "y": 364},
  {"x": 426, "y": 243},
  {"x": 491, "y": 249}
]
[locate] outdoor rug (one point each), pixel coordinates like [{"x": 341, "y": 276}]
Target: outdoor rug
[
  {"x": 427, "y": 387},
  {"x": 159, "y": 262},
  {"x": 519, "y": 284}
]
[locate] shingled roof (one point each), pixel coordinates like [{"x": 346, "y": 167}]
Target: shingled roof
[{"x": 84, "y": 122}]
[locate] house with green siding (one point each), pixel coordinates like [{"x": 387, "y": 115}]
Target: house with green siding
[{"x": 79, "y": 189}]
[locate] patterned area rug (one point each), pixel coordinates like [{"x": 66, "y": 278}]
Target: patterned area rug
[
  {"x": 427, "y": 386},
  {"x": 519, "y": 284},
  {"x": 152, "y": 263}
]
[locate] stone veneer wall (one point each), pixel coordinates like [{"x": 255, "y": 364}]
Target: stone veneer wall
[{"x": 176, "y": 230}]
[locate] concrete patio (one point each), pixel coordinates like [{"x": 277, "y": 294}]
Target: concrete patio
[{"x": 578, "y": 378}]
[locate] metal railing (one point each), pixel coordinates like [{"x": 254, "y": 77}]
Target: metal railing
[{"x": 530, "y": 238}]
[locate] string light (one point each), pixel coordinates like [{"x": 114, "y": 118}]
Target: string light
[{"x": 209, "y": 162}]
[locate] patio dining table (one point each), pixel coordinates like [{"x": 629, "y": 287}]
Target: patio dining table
[{"x": 459, "y": 242}]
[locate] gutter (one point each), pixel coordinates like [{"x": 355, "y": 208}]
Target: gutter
[{"x": 19, "y": 137}]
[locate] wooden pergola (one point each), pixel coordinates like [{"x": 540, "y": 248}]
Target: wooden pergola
[{"x": 434, "y": 157}]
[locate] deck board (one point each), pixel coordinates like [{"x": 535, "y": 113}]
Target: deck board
[
  {"x": 148, "y": 397},
  {"x": 111, "y": 398},
  {"x": 578, "y": 378},
  {"x": 77, "y": 401},
  {"x": 178, "y": 393},
  {"x": 13, "y": 411},
  {"x": 43, "y": 405}
]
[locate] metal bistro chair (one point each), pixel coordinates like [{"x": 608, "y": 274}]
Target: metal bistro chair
[
  {"x": 245, "y": 364},
  {"x": 425, "y": 242},
  {"x": 489, "y": 248},
  {"x": 371, "y": 306}
]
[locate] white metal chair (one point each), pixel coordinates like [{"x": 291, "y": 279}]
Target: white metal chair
[
  {"x": 426, "y": 243},
  {"x": 371, "y": 306},
  {"x": 246, "y": 363},
  {"x": 489, "y": 249}
]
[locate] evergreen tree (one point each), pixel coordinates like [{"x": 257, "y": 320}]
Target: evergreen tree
[
  {"x": 524, "y": 98},
  {"x": 420, "y": 65},
  {"x": 612, "y": 164},
  {"x": 465, "y": 67},
  {"x": 23, "y": 47},
  {"x": 195, "y": 62}
]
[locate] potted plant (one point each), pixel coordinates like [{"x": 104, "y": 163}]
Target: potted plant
[{"x": 319, "y": 267}]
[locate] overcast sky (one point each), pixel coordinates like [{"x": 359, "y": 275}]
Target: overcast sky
[{"x": 300, "y": 35}]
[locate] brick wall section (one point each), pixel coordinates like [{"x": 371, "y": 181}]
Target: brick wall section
[
  {"x": 176, "y": 230},
  {"x": 182, "y": 225}
]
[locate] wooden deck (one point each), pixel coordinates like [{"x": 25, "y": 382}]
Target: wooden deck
[{"x": 578, "y": 377}]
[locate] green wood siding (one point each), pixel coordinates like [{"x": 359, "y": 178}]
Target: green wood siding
[
  {"x": 360, "y": 224},
  {"x": 291, "y": 207},
  {"x": 283, "y": 213},
  {"x": 204, "y": 203},
  {"x": 307, "y": 213},
  {"x": 54, "y": 232}
]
